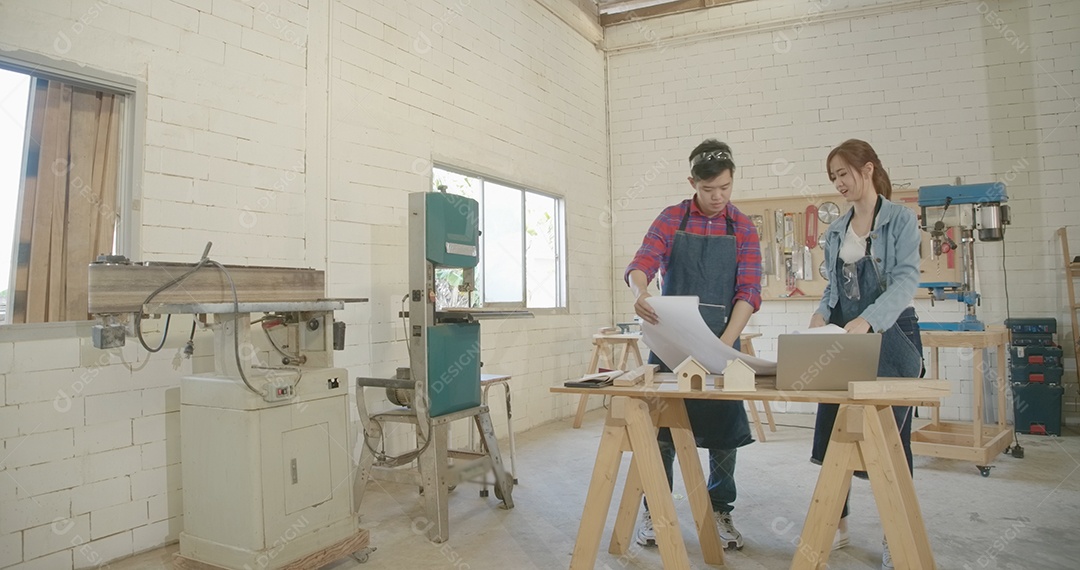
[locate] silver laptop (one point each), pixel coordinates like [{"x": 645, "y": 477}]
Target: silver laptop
[{"x": 826, "y": 361}]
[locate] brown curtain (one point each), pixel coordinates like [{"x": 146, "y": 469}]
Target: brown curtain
[{"x": 68, "y": 212}]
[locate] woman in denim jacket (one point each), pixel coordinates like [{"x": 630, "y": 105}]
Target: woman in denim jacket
[{"x": 872, "y": 263}]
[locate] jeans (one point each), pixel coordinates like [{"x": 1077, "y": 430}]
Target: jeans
[{"x": 721, "y": 484}]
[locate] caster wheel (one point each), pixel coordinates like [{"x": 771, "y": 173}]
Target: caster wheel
[
  {"x": 1018, "y": 452},
  {"x": 483, "y": 493},
  {"x": 985, "y": 469},
  {"x": 515, "y": 481},
  {"x": 362, "y": 556}
]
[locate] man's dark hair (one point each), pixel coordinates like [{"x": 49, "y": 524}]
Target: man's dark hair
[{"x": 710, "y": 159}]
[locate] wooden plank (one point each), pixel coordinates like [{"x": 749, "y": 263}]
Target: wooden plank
[
  {"x": 598, "y": 498},
  {"x": 979, "y": 381},
  {"x": 755, "y": 419},
  {"x": 56, "y": 299},
  {"x": 651, "y": 468},
  {"x": 640, "y": 375},
  {"x": 103, "y": 227},
  {"x": 964, "y": 339},
  {"x": 682, "y": 436},
  {"x": 667, "y": 389},
  {"x": 958, "y": 452},
  {"x": 318, "y": 559},
  {"x": 894, "y": 491},
  {"x": 82, "y": 199},
  {"x": 41, "y": 234},
  {"x": 17, "y": 300},
  {"x": 914, "y": 388},
  {"x": 123, "y": 288},
  {"x": 935, "y": 412},
  {"x": 830, "y": 492},
  {"x": 583, "y": 402},
  {"x": 622, "y": 533}
]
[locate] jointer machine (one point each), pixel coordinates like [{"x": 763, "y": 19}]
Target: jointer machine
[
  {"x": 265, "y": 437},
  {"x": 442, "y": 382}
]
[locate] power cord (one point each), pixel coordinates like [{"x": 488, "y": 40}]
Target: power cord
[
  {"x": 381, "y": 456},
  {"x": 1016, "y": 451},
  {"x": 203, "y": 262}
]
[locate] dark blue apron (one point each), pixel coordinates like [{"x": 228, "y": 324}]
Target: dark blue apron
[
  {"x": 900, "y": 357},
  {"x": 706, "y": 266}
]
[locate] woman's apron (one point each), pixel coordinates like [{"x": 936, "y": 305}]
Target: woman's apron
[
  {"x": 899, "y": 356},
  {"x": 706, "y": 266}
]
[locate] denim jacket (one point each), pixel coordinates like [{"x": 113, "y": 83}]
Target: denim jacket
[{"x": 894, "y": 246}]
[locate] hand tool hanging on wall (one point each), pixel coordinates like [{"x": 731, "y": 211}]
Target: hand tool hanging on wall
[
  {"x": 796, "y": 246},
  {"x": 810, "y": 219},
  {"x": 778, "y": 226},
  {"x": 765, "y": 237},
  {"x": 811, "y": 226}
]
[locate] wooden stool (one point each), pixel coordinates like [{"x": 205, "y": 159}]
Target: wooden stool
[
  {"x": 746, "y": 344},
  {"x": 605, "y": 344}
]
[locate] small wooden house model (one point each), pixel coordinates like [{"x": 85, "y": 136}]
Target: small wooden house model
[
  {"x": 739, "y": 377},
  {"x": 690, "y": 375}
]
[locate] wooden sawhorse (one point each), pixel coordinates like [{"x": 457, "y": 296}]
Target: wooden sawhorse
[
  {"x": 604, "y": 344},
  {"x": 865, "y": 438},
  {"x": 746, "y": 345}
]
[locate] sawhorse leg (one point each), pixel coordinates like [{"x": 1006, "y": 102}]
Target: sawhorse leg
[
  {"x": 629, "y": 426},
  {"x": 865, "y": 437},
  {"x": 583, "y": 403}
]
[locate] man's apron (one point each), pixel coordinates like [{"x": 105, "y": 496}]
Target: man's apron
[{"x": 706, "y": 266}]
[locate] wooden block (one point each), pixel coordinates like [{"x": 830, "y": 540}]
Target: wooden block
[
  {"x": 899, "y": 389},
  {"x": 639, "y": 375},
  {"x": 124, "y": 288},
  {"x": 317, "y": 559}
]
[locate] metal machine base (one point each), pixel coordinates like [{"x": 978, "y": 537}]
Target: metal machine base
[{"x": 433, "y": 472}]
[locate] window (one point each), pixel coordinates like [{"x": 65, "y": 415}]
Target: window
[
  {"x": 522, "y": 244},
  {"x": 62, "y": 176}
]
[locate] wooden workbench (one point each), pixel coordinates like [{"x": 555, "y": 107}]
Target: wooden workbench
[
  {"x": 865, "y": 438},
  {"x": 965, "y": 441},
  {"x": 604, "y": 347}
]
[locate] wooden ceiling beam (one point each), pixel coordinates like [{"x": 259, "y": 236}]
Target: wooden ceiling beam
[{"x": 657, "y": 10}]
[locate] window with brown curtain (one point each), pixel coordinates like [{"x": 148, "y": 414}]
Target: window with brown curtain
[{"x": 67, "y": 211}]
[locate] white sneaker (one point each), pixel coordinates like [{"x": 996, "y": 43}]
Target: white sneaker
[
  {"x": 646, "y": 536},
  {"x": 842, "y": 539},
  {"x": 729, "y": 536},
  {"x": 886, "y": 558}
]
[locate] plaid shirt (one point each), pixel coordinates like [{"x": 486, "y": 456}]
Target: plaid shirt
[{"x": 656, "y": 247}]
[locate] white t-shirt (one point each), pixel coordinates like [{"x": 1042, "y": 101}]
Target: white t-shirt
[{"x": 853, "y": 248}]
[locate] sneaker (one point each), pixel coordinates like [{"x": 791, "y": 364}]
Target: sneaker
[
  {"x": 646, "y": 536},
  {"x": 886, "y": 558},
  {"x": 842, "y": 539},
  {"x": 729, "y": 536}
]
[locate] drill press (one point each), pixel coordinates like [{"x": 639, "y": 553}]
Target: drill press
[{"x": 961, "y": 209}]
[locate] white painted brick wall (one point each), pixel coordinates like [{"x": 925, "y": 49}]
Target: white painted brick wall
[
  {"x": 947, "y": 96},
  {"x": 53, "y": 537}
]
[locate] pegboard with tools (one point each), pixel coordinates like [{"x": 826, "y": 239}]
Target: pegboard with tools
[{"x": 792, "y": 233}]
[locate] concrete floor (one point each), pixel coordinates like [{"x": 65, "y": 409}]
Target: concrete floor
[{"x": 1024, "y": 516}]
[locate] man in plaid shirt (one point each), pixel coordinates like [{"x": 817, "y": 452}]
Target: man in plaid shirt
[{"x": 704, "y": 246}]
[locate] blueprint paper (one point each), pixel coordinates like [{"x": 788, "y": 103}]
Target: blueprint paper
[{"x": 680, "y": 332}]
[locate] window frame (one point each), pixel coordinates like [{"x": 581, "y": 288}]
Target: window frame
[
  {"x": 562, "y": 294},
  {"x": 132, "y": 138}
]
